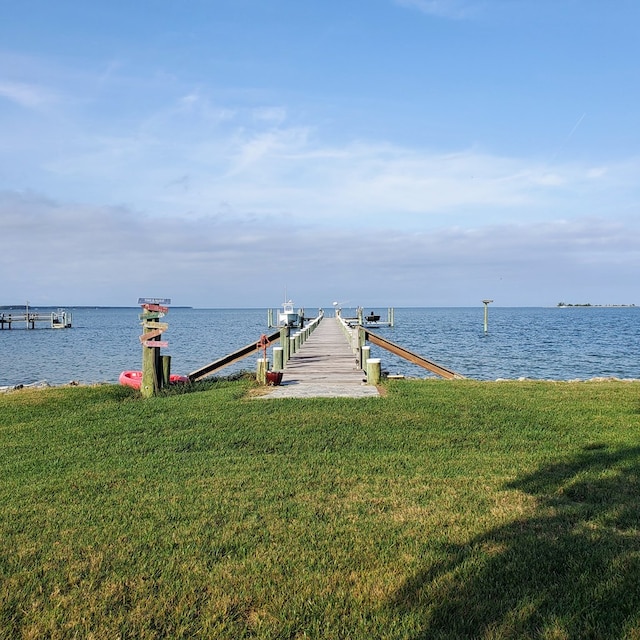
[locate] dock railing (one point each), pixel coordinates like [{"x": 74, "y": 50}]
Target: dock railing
[
  {"x": 288, "y": 342},
  {"x": 60, "y": 319},
  {"x": 358, "y": 336}
]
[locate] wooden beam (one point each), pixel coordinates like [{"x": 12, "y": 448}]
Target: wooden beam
[
  {"x": 412, "y": 357},
  {"x": 208, "y": 369}
]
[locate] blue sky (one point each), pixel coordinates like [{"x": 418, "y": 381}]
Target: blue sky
[{"x": 382, "y": 152}]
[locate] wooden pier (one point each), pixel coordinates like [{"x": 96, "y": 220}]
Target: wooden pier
[
  {"x": 371, "y": 319},
  {"x": 327, "y": 358},
  {"x": 324, "y": 366},
  {"x": 60, "y": 319}
]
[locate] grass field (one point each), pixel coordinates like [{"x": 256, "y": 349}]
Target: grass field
[{"x": 445, "y": 509}]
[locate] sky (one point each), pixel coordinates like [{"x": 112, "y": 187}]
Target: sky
[{"x": 229, "y": 153}]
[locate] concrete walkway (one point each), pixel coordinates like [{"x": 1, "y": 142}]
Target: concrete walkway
[{"x": 324, "y": 367}]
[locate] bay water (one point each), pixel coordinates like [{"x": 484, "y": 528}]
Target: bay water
[{"x": 559, "y": 343}]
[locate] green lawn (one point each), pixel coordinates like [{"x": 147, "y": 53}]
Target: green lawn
[{"x": 445, "y": 509}]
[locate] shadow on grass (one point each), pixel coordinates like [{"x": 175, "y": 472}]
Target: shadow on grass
[{"x": 570, "y": 571}]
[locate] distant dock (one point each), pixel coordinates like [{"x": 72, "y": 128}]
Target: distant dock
[
  {"x": 371, "y": 319},
  {"x": 60, "y": 319}
]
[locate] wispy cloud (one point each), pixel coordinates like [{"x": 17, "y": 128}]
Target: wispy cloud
[
  {"x": 26, "y": 95},
  {"x": 207, "y": 260},
  {"x": 453, "y": 9},
  {"x": 217, "y": 188},
  {"x": 262, "y": 168}
]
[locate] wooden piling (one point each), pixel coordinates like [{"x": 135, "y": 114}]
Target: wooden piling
[
  {"x": 365, "y": 353},
  {"x": 149, "y": 385},
  {"x": 284, "y": 343},
  {"x": 166, "y": 370},
  {"x": 373, "y": 371},
  {"x": 262, "y": 368},
  {"x": 278, "y": 358}
]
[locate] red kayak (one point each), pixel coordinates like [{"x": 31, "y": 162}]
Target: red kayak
[{"x": 134, "y": 379}]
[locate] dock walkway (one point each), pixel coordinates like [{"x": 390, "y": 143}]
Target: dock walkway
[{"x": 324, "y": 367}]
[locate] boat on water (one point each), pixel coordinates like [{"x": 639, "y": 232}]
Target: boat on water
[
  {"x": 288, "y": 317},
  {"x": 61, "y": 319},
  {"x": 373, "y": 317}
]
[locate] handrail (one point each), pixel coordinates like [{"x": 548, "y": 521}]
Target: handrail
[
  {"x": 198, "y": 374},
  {"x": 411, "y": 357}
]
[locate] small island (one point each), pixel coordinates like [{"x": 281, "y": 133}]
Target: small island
[{"x": 588, "y": 304}]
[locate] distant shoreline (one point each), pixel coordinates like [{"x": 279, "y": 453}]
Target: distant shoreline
[{"x": 588, "y": 304}]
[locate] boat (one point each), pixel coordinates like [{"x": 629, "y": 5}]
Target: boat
[
  {"x": 61, "y": 319},
  {"x": 133, "y": 379},
  {"x": 288, "y": 317},
  {"x": 372, "y": 317}
]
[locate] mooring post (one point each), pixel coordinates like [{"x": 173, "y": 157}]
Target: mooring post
[
  {"x": 278, "y": 359},
  {"x": 365, "y": 353},
  {"x": 261, "y": 373},
  {"x": 362, "y": 339},
  {"x": 486, "y": 314},
  {"x": 166, "y": 370},
  {"x": 284, "y": 343},
  {"x": 373, "y": 371}
]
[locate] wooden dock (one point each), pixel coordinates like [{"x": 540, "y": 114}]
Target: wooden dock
[
  {"x": 60, "y": 319},
  {"x": 324, "y": 367}
]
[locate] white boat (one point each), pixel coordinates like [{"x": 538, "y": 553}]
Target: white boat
[
  {"x": 288, "y": 317},
  {"x": 61, "y": 319}
]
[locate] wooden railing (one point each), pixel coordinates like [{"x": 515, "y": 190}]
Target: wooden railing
[{"x": 439, "y": 370}]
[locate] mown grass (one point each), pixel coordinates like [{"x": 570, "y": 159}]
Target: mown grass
[{"x": 443, "y": 510}]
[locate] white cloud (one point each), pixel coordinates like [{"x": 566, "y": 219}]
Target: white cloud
[
  {"x": 108, "y": 255},
  {"x": 26, "y": 95},
  {"x": 454, "y": 9}
]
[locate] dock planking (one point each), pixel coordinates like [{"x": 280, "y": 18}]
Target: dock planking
[{"x": 324, "y": 367}]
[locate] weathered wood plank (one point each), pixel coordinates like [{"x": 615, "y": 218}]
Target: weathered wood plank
[
  {"x": 325, "y": 366},
  {"x": 218, "y": 364}
]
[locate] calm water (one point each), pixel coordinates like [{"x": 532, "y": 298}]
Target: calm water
[{"x": 541, "y": 343}]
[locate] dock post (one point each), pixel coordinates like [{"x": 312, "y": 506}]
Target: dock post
[
  {"x": 284, "y": 343},
  {"x": 270, "y": 318},
  {"x": 292, "y": 345},
  {"x": 373, "y": 371},
  {"x": 278, "y": 360},
  {"x": 362, "y": 338},
  {"x": 365, "y": 353},
  {"x": 360, "y": 314},
  {"x": 166, "y": 370},
  {"x": 149, "y": 385},
  {"x": 486, "y": 314},
  {"x": 261, "y": 373}
]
